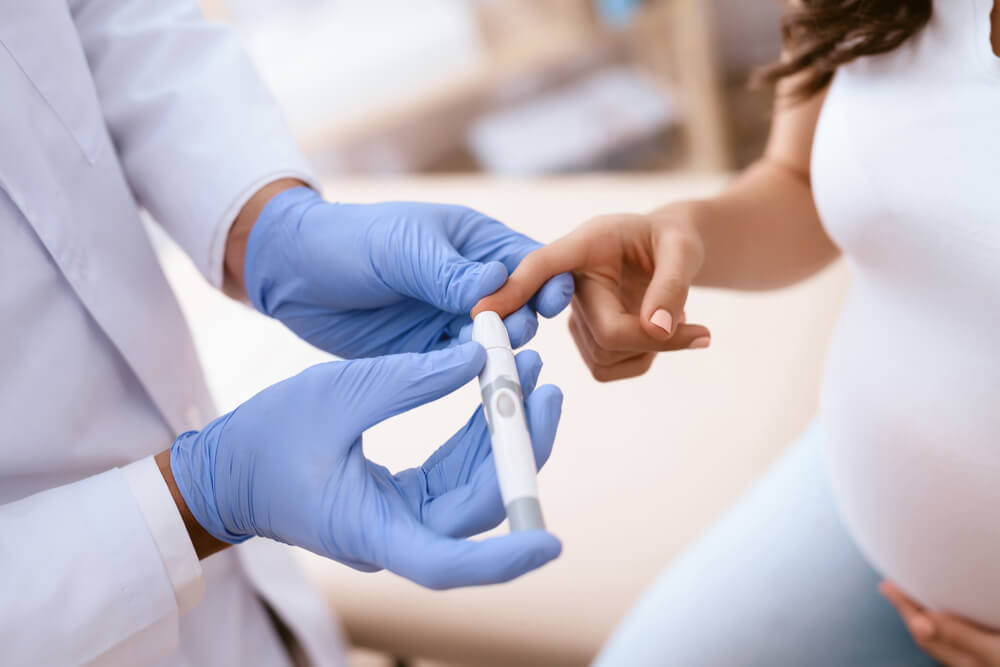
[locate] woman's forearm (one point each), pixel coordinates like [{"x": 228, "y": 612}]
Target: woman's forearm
[{"x": 762, "y": 232}]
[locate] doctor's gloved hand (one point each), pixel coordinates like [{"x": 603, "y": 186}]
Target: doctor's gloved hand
[
  {"x": 632, "y": 277},
  {"x": 360, "y": 280},
  {"x": 289, "y": 465}
]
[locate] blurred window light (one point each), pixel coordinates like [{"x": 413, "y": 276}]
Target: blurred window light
[{"x": 327, "y": 60}]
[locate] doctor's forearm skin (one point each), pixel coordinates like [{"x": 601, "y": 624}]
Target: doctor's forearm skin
[
  {"x": 204, "y": 544},
  {"x": 239, "y": 233}
]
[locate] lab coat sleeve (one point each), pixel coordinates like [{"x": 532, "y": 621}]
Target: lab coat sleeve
[
  {"x": 194, "y": 126},
  {"x": 85, "y": 572}
]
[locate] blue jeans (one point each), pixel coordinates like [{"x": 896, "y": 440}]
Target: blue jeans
[{"x": 775, "y": 582}]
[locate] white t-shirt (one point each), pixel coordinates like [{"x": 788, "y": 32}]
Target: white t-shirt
[{"x": 906, "y": 175}]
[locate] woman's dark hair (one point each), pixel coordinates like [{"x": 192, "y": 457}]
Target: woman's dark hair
[{"x": 821, "y": 35}]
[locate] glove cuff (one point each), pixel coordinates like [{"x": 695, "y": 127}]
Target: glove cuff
[
  {"x": 192, "y": 462},
  {"x": 267, "y": 246}
]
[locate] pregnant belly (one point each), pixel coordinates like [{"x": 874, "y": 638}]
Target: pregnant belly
[{"x": 913, "y": 450}]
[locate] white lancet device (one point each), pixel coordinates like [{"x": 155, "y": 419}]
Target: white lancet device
[{"x": 503, "y": 404}]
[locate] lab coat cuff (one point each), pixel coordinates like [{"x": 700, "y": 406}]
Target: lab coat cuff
[
  {"x": 217, "y": 250},
  {"x": 169, "y": 533}
]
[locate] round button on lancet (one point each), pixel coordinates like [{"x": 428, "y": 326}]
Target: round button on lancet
[{"x": 505, "y": 404}]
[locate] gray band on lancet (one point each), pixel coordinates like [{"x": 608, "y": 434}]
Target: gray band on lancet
[
  {"x": 489, "y": 390},
  {"x": 525, "y": 514},
  {"x": 498, "y": 384}
]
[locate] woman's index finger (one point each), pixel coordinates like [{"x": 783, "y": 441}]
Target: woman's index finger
[{"x": 567, "y": 254}]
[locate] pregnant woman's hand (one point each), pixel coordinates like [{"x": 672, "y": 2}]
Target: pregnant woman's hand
[
  {"x": 954, "y": 641},
  {"x": 632, "y": 275}
]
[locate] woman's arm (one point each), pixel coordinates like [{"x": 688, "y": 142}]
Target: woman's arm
[
  {"x": 763, "y": 231},
  {"x": 633, "y": 271}
]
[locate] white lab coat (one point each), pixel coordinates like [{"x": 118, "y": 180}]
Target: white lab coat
[{"x": 107, "y": 106}]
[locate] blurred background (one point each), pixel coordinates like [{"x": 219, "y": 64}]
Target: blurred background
[
  {"x": 541, "y": 113},
  {"x": 514, "y": 86}
]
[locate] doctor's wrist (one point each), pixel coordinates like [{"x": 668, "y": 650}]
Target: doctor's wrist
[
  {"x": 278, "y": 250},
  {"x": 239, "y": 233},
  {"x": 204, "y": 543}
]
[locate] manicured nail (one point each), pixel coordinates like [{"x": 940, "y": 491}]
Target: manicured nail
[
  {"x": 700, "y": 343},
  {"x": 662, "y": 319},
  {"x": 922, "y": 627}
]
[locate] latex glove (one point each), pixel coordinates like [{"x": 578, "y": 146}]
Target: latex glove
[
  {"x": 954, "y": 641},
  {"x": 632, "y": 278},
  {"x": 289, "y": 465},
  {"x": 361, "y": 280}
]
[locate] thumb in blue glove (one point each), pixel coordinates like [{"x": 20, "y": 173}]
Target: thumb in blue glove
[{"x": 289, "y": 465}]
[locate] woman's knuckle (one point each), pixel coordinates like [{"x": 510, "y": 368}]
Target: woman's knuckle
[
  {"x": 604, "y": 335},
  {"x": 604, "y": 357},
  {"x": 681, "y": 243},
  {"x": 598, "y": 222},
  {"x": 676, "y": 285}
]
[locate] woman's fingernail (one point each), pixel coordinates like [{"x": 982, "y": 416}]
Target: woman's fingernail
[
  {"x": 700, "y": 343},
  {"x": 922, "y": 627},
  {"x": 662, "y": 319}
]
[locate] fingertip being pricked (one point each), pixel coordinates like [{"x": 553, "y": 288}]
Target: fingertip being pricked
[{"x": 503, "y": 302}]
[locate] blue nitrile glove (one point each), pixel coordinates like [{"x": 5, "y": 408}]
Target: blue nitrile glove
[
  {"x": 288, "y": 464},
  {"x": 360, "y": 280}
]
